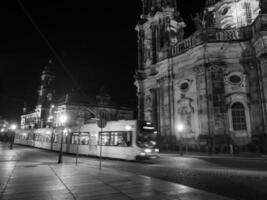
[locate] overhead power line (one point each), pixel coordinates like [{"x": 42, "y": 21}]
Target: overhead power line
[{"x": 50, "y": 46}]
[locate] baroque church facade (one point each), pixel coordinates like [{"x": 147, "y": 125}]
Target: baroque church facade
[{"x": 207, "y": 91}]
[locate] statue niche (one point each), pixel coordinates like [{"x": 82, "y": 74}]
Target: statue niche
[{"x": 186, "y": 113}]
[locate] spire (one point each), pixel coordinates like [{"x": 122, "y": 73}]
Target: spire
[{"x": 48, "y": 68}]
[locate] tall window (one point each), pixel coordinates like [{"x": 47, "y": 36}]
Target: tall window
[{"x": 239, "y": 117}]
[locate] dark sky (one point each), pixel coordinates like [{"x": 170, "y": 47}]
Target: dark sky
[{"x": 95, "y": 39}]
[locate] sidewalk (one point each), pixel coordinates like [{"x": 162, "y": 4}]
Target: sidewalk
[
  {"x": 22, "y": 179},
  {"x": 247, "y": 156}
]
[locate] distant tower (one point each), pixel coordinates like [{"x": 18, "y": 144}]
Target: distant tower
[{"x": 45, "y": 94}]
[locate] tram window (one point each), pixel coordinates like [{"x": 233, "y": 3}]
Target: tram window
[
  {"x": 47, "y": 139},
  {"x": 84, "y": 140},
  {"x": 119, "y": 139},
  {"x": 75, "y": 139},
  {"x": 105, "y": 141}
]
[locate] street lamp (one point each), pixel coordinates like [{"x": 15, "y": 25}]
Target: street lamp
[
  {"x": 180, "y": 128},
  {"x": 13, "y": 127},
  {"x": 62, "y": 119}
]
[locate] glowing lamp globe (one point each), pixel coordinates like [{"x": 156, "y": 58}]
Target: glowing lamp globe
[
  {"x": 63, "y": 119},
  {"x": 13, "y": 127},
  {"x": 180, "y": 127}
]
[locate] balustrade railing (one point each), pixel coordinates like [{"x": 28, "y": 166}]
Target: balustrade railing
[{"x": 221, "y": 35}]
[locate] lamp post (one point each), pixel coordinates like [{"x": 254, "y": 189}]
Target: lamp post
[
  {"x": 12, "y": 129},
  {"x": 62, "y": 119},
  {"x": 180, "y": 129}
]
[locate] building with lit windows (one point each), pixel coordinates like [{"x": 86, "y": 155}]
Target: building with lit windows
[
  {"x": 82, "y": 110},
  {"x": 39, "y": 117},
  {"x": 79, "y": 108},
  {"x": 4, "y": 126},
  {"x": 207, "y": 91}
]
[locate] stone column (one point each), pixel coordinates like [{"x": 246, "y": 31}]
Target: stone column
[
  {"x": 262, "y": 74},
  {"x": 205, "y": 101},
  {"x": 202, "y": 100},
  {"x": 256, "y": 108}
]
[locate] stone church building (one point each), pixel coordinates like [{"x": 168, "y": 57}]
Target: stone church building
[{"x": 207, "y": 91}]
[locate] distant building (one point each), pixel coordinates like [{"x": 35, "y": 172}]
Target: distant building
[
  {"x": 38, "y": 117},
  {"x": 207, "y": 91},
  {"x": 4, "y": 127},
  {"x": 79, "y": 108}
]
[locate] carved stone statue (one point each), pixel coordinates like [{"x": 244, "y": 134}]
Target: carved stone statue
[
  {"x": 186, "y": 117},
  {"x": 209, "y": 20},
  {"x": 175, "y": 28},
  {"x": 186, "y": 112},
  {"x": 198, "y": 21}
]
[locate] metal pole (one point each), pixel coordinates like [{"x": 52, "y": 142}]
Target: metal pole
[
  {"x": 181, "y": 146},
  {"x": 61, "y": 148},
  {"x": 100, "y": 157},
  {"x": 77, "y": 153},
  {"x": 11, "y": 140}
]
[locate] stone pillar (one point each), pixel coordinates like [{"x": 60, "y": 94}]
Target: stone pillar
[
  {"x": 256, "y": 108},
  {"x": 141, "y": 50},
  {"x": 141, "y": 102},
  {"x": 202, "y": 100},
  {"x": 155, "y": 106},
  {"x": 164, "y": 111},
  {"x": 205, "y": 104},
  {"x": 262, "y": 73}
]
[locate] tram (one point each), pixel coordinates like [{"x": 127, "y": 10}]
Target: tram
[{"x": 124, "y": 139}]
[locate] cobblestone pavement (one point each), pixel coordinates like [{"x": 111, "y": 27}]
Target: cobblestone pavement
[
  {"x": 33, "y": 174},
  {"x": 225, "y": 177}
]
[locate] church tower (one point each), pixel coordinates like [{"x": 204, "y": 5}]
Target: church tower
[
  {"x": 45, "y": 95},
  {"x": 160, "y": 26},
  {"x": 159, "y": 29}
]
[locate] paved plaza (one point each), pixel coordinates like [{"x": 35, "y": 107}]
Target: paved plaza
[{"x": 26, "y": 177}]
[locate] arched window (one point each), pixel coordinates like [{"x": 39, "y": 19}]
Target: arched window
[{"x": 239, "y": 117}]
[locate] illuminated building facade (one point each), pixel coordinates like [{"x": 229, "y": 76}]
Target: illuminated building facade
[
  {"x": 79, "y": 108},
  {"x": 207, "y": 91},
  {"x": 38, "y": 118}
]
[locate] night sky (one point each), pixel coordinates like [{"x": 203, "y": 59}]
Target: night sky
[{"x": 96, "y": 41}]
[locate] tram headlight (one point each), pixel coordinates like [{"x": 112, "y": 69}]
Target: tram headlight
[
  {"x": 157, "y": 150},
  {"x": 148, "y": 150},
  {"x": 128, "y": 128}
]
